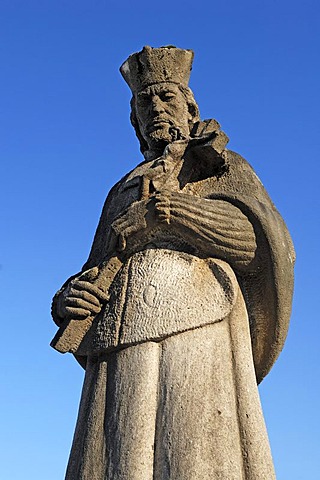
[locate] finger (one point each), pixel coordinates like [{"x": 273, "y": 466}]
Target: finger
[
  {"x": 163, "y": 215},
  {"x": 85, "y": 295},
  {"x": 91, "y": 288},
  {"x": 90, "y": 275},
  {"x": 80, "y": 303},
  {"x": 164, "y": 219},
  {"x": 125, "y": 227},
  {"x": 160, "y": 197},
  {"x": 162, "y": 211},
  {"x": 117, "y": 224},
  {"x": 121, "y": 222},
  {"x": 162, "y": 204},
  {"x": 77, "y": 312},
  {"x": 122, "y": 243}
]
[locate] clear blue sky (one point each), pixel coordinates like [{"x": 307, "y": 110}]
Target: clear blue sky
[{"x": 66, "y": 139}]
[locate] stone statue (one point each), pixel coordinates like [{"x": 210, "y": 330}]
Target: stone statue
[{"x": 184, "y": 303}]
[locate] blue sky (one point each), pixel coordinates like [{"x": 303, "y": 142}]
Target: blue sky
[{"x": 65, "y": 139}]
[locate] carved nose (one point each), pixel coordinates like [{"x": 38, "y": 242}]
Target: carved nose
[{"x": 157, "y": 105}]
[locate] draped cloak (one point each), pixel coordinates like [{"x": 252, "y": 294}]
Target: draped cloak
[{"x": 181, "y": 401}]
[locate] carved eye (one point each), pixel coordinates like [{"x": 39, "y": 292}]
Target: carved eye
[{"x": 167, "y": 96}]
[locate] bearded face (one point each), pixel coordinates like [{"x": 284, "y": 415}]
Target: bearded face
[{"x": 162, "y": 115}]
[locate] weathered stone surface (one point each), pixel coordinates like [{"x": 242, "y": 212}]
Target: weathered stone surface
[{"x": 183, "y": 304}]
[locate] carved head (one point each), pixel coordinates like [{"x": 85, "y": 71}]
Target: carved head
[{"x": 163, "y": 108}]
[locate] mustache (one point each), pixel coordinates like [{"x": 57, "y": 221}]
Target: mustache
[{"x": 158, "y": 121}]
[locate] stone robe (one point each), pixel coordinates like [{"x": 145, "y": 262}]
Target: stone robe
[{"x": 198, "y": 313}]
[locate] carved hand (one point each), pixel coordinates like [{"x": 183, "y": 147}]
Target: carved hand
[
  {"x": 130, "y": 222},
  {"x": 82, "y": 298},
  {"x": 162, "y": 207},
  {"x": 215, "y": 226}
]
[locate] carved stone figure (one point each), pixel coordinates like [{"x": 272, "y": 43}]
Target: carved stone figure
[{"x": 184, "y": 303}]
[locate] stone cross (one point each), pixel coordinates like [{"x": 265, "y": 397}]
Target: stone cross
[{"x": 183, "y": 304}]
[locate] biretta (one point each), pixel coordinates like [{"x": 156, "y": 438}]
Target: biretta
[{"x": 157, "y": 65}]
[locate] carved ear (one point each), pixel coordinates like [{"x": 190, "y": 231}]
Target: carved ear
[
  {"x": 193, "y": 114},
  {"x": 192, "y": 109}
]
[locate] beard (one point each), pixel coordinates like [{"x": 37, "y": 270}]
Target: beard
[
  {"x": 161, "y": 134},
  {"x": 164, "y": 134}
]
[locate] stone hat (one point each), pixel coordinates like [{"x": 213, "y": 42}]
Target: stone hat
[{"x": 157, "y": 65}]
